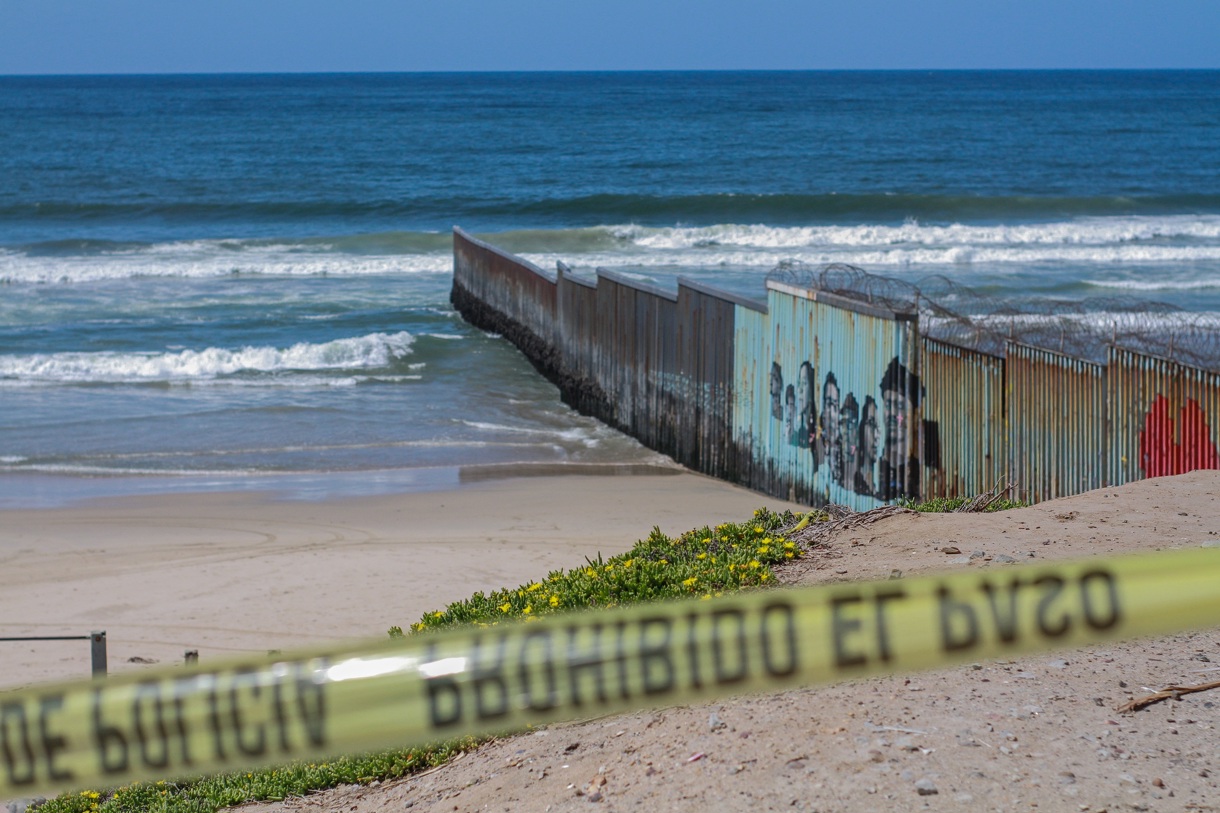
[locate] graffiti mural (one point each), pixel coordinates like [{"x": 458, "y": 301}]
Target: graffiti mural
[
  {"x": 805, "y": 388},
  {"x": 849, "y": 419},
  {"x": 810, "y": 403},
  {"x": 899, "y": 473},
  {"x": 854, "y": 443},
  {"x": 868, "y": 439},
  {"x": 794, "y": 406},
  {"x": 829, "y": 451},
  {"x": 1162, "y": 453},
  {"x": 777, "y": 391}
]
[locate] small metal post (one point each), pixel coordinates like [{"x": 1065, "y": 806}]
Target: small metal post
[
  {"x": 192, "y": 656},
  {"x": 98, "y": 639}
]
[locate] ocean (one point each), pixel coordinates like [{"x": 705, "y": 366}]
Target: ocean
[{"x": 241, "y": 281}]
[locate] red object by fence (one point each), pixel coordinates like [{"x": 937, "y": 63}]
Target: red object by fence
[{"x": 1161, "y": 452}]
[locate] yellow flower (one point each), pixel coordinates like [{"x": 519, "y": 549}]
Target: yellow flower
[
  {"x": 763, "y": 550},
  {"x": 758, "y": 529},
  {"x": 788, "y": 555},
  {"x": 438, "y": 614},
  {"x": 766, "y": 541},
  {"x": 764, "y": 577},
  {"x": 702, "y": 556},
  {"x": 755, "y": 564},
  {"x": 610, "y": 566},
  {"x": 629, "y": 563},
  {"x": 554, "y": 601},
  {"x": 664, "y": 561},
  {"x": 789, "y": 545},
  {"x": 533, "y": 586},
  {"x": 690, "y": 582},
  {"x": 706, "y": 540},
  {"x": 705, "y": 597},
  {"x": 505, "y": 607},
  {"x": 529, "y": 608}
]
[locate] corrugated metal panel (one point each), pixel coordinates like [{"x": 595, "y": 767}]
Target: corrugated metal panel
[
  {"x": 1164, "y": 417},
  {"x": 649, "y": 331},
  {"x": 518, "y": 290},
  {"x": 605, "y": 321},
  {"x": 1057, "y": 421},
  {"x": 576, "y": 340},
  {"x": 701, "y": 381},
  {"x": 828, "y": 399},
  {"x": 966, "y": 440}
]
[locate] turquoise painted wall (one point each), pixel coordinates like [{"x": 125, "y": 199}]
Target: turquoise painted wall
[{"x": 828, "y": 398}]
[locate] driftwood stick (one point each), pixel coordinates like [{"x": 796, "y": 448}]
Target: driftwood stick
[{"x": 1173, "y": 692}]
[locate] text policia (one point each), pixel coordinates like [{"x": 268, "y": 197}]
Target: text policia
[{"x": 430, "y": 687}]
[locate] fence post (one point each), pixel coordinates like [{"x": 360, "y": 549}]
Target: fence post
[{"x": 98, "y": 638}]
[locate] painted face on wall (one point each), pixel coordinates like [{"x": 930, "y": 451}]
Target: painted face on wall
[
  {"x": 777, "y": 391},
  {"x": 869, "y": 431},
  {"x": 847, "y": 426},
  {"x": 830, "y": 406},
  {"x": 897, "y": 438},
  {"x": 789, "y": 411},
  {"x": 802, "y": 406},
  {"x": 805, "y": 403}
]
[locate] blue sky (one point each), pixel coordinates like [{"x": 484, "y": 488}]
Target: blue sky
[{"x": 205, "y": 36}]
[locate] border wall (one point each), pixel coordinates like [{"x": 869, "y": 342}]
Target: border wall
[{"x": 819, "y": 398}]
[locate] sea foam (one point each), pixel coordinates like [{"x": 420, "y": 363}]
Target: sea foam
[
  {"x": 210, "y": 258},
  {"x": 370, "y": 352},
  {"x": 1095, "y": 231}
]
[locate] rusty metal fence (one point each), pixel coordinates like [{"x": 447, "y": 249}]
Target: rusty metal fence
[
  {"x": 965, "y": 405},
  {"x": 816, "y": 396},
  {"x": 1057, "y": 417}
]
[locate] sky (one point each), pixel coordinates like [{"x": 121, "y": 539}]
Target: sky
[{"x": 258, "y": 36}]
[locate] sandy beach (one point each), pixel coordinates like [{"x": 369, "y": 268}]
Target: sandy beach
[{"x": 225, "y": 573}]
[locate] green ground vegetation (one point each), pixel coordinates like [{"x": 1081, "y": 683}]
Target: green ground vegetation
[
  {"x": 704, "y": 562},
  {"x": 945, "y": 505}
]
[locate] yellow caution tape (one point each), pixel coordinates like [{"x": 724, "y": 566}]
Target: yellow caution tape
[{"x": 432, "y": 687}]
